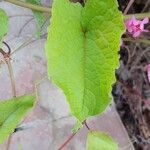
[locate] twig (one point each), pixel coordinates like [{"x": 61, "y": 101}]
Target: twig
[
  {"x": 129, "y": 55},
  {"x": 138, "y": 16},
  {"x": 134, "y": 50},
  {"x": 128, "y": 6},
  {"x": 145, "y": 41}
]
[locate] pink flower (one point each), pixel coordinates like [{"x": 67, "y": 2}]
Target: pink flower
[
  {"x": 136, "y": 27},
  {"x": 148, "y": 72}
]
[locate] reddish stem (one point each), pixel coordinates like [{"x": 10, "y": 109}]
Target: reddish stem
[
  {"x": 71, "y": 137},
  {"x": 67, "y": 141}
]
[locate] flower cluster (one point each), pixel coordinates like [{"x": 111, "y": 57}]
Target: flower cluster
[{"x": 136, "y": 27}]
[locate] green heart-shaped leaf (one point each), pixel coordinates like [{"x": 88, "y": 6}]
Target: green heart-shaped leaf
[{"x": 82, "y": 52}]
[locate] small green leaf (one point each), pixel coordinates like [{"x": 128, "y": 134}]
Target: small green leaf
[
  {"x": 39, "y": 16},
  {"x": 11, "y": 113},
  {"x": 3, "y": 25},
  {"x": 100, "y": 141},
  {"x": 82, "y": 52}
]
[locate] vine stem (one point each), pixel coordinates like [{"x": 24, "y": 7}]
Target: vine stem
[
  {"x": 71, "y": 136},
  {"x": 30, "y": 6},
  {"x": 67, "y": 141},
  {"x": 11, "y": 74},
  {"x": 48, "y": 10}
]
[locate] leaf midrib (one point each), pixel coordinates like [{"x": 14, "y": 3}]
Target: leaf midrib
[{"x": 84, "y": 64}]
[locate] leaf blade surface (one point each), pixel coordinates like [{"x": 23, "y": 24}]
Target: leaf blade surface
[
  {"x": 82, "y": 53},
  {"x": 11, "y": 113},
  {"x": 100, "y": 141}
]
